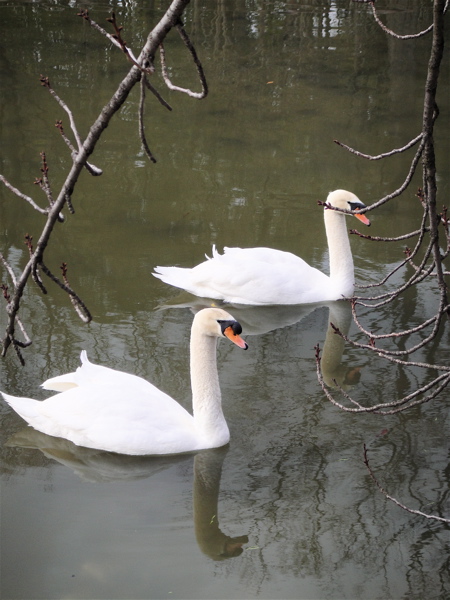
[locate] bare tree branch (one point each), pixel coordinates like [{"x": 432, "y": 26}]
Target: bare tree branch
[
  {"x": 392, "y": 499},
  {"x": 170, "y": 85},
  {"x": 385, "y": 408},
  {"x": 43, "y": 211},
  {"x": 396, "y": 35},
  {"x": 157, "y": 95},
  {"x": 79, "y": 306},
  {"x": 170, "y": 19},
  {"x": 431, "y": 263},
  {"x": 141, "y": 122},
  {"x": 92, "y": 169},
  {"x": 380, "y": 156},
  {"x": 116, "y": 39}
]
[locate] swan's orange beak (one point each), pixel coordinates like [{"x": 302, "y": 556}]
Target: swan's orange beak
[
  {"x": 363, "y": 219},
  {"x": 236, "y": 339}
]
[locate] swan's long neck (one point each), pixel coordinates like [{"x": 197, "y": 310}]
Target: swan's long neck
[
  {"x": 342, "y": 273},
  {"x": 206, "y": 397}
]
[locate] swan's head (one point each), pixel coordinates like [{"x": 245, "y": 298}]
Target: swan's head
[
  {"x": 218, "y": 323},
  {"x": 347, "y": 201}
]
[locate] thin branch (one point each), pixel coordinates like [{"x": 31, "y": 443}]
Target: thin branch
[
  {"x": 156, "y": 36},
  {"x": 184, "y": 36},
  {"x": 165, "y": 73},
  {"x": 376, "y": 238},
  {"x": 417, "y": 277},
  {"x": 141, "y": 122},
  {"x": 44, "y": 182},
  {"x": 15, "y": 191},
  {"x": 392, "y": 499},
  {"x": 380, "y": 156},
  {"x": 10, "y": 339},
  {"x": 407, "y": 181},
  {"x": 27, "y": 341},
  {"x": 92, "y": 169},
  {"x": 406, "y": 363},
  {"x": 80, "y": 307},
  {"x": 397, "y": 334},
  {"x": 84, "y": 14},
  {"x": 392, "y": 33},
  {"x": 155, "y": 92},
  {"x": 9, "y": 269},
  {"x": 390, "y": 354},
  {"x": 34, "y": 272},
  {"x": 395, "y": 406},
  {"x": 423, "y": 229},
  {"x": 45, "y": 82},
  {"x": 396, "y": 35},
  {"x": 116, "y": 39}
]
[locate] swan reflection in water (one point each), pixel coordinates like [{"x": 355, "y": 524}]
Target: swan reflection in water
[
  {"x": 335, "y": 374},
  {"x": 258, "y": 320},
  {"x": 101, "y": 467}
]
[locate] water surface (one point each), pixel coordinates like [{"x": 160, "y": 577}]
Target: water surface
[{"x": 288, "y": 510}]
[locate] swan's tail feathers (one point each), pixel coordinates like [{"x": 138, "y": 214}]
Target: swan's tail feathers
[
  {"x": 215, "y": 253},
  {"x": 176, "y": 276},
  {"x": 62, "y": 383},
  {"x": 27, "y": 408}
]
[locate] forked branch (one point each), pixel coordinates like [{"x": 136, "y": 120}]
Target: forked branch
[{"x": 80, "y": 153}]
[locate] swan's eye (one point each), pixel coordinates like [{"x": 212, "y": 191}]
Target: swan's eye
[
  {"x": 356, "y": 205},
  {"x": 235, "y": 326}
]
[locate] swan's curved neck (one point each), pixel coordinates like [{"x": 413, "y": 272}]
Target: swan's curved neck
[
  {"x": 206, "y": 397},
  {"x": 341, "y": 260}
]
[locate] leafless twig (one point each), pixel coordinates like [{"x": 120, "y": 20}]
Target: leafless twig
[
  {"x": 392, "y": 499},
  {"x": 157, "y": 95},
  {"x": 380, "y": 156},
  {"x": 410, "y": 255},
  {"x": 141, "y": 122},
  {"x": 396, "y": 35},
  {"x": 385, "y": 408},
  {"x": 170, "y": 85},
  {"x": 18, "y": 193},
  {"x": 392, "y": 354},
  {"x": 116, "y": 39},
  {"x": 45, "y": 82},
  {"x": 140, "y": 65},
  {"x": 17, "y": 344},
  {"x": 34, "y": 272}
]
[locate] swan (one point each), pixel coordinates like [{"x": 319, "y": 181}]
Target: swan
[
  {"x": 263, "y": 276},
  {"x": 102, "y": 408}
]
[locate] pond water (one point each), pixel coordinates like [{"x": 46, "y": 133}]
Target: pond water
[{"x": 288, "y": 510}]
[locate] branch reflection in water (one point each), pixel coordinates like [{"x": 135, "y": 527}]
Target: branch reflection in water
[{"x": 97, "y": 466}]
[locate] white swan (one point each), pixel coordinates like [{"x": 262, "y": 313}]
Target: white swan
[
  {"x": 102, "y": 408},
  {"x": 261, "y": 276}
]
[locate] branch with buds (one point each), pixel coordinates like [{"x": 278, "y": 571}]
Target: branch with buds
[{"x": 141, "y": 69}]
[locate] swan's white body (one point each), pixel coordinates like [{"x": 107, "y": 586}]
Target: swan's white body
[
  {"x": 261, "y": 276},
  {"x": 102, "y": 408}
]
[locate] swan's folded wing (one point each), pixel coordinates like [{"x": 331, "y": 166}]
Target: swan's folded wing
[
  {"x": 138, "y": 419},
  {"x": 263, "y": 255},
  {"x": 255, "y": 276},
  {"x": 89, "y": 373}
]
